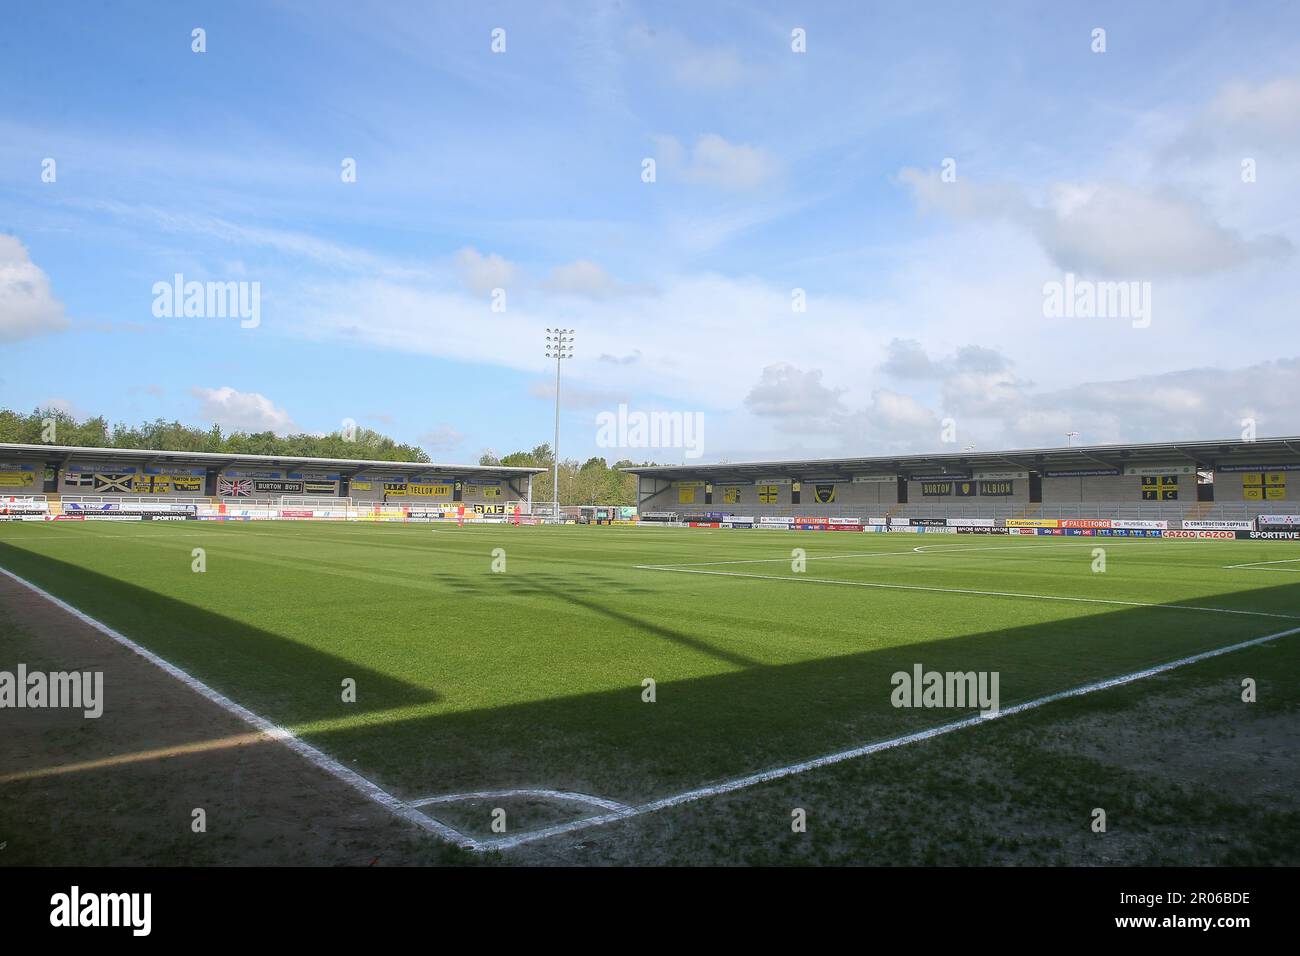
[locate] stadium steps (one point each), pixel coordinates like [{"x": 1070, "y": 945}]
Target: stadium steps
[{"x": 1198, "y": 511}]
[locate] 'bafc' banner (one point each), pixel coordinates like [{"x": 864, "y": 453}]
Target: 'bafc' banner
[
  {"x": 1159, "y": 487},
  {"x": 113, "y": 483},
  {"x": 769, "y": 494}
]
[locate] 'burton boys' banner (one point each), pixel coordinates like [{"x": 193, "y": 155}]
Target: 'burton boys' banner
[{"x": 278, "y": 487}]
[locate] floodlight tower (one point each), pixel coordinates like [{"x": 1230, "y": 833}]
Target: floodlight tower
[
  {"x": 559, "y": 346},
  {"x": 1070, "y": 437}
]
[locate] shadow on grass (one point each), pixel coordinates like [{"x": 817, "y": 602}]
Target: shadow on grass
[
  {"x": 698, "y": 731},
  {"x": 280, "y": 678},
  {"x": 709, "y": 728}
]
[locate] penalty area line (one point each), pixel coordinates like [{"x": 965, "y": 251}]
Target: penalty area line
[
  {"x": 777, "y": 773},
  {"x": 317, "y": 758},
  {"x": 801, "y": 579}
]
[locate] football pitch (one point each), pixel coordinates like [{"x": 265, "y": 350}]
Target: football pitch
[{"x": 581, "y": 675}]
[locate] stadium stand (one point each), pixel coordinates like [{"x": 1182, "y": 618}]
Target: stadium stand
[
  {"x": 71, "y": 481},
  {"x": 1167, "y": 483}
]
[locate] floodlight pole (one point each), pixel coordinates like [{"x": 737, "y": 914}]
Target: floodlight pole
[
  {"x": 1070, "y": 437},
  {"x": 559, "y": 345}
]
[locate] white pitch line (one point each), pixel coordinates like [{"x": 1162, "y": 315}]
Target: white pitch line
[
  {"x": 921, "y": 549},
  {"x": 765, "y": 776},
  {"x": 801, "y": 579},
  {"x": 1257, "y": 565},
  {"x": 319, "y": 759},
  {"x": 570, "y": 795},
  {"x": 618, "y": 811},
  {"x": 785, "y": 560}
]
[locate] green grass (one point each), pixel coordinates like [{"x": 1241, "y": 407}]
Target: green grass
[{"x": 469, "y": 679}]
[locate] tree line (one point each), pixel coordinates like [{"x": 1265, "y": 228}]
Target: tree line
[
  {"x": 593, "y": 482},
  {"x": 50, "y": 426}
]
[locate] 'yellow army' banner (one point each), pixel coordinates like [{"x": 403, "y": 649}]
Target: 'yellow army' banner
[
  {"x": 731, "y": 495},
  {"x": 17, "y": 479},
  {"x": 429, "y": 491}
]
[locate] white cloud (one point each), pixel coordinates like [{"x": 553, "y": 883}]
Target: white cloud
[
  {"x": 575, "y": 396},
  {"x": 27, "y": 306},
  {"x": 1109, "y": 229},
  {"x": 444, "y": 436},
  {"x": 987, "y": 400},
  {"x": 585, "y": 278},
  {"x": 242, "y": 411},
  {"x": 896, "y": 419},
  {"x": 795, "y": 397},
  {"x": 481, "y": 274},
  {"x": 687, "y": 64},
  {"x": 1202, "y": 403},
  {"x": 1268, "y": 112},
  {"x": 716, "y": 162}
]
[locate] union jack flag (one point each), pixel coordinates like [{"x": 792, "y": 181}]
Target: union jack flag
[{"x": 234, "y": 487}]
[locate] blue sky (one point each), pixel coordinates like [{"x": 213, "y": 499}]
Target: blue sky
[{"x": 775, "y": 171}]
